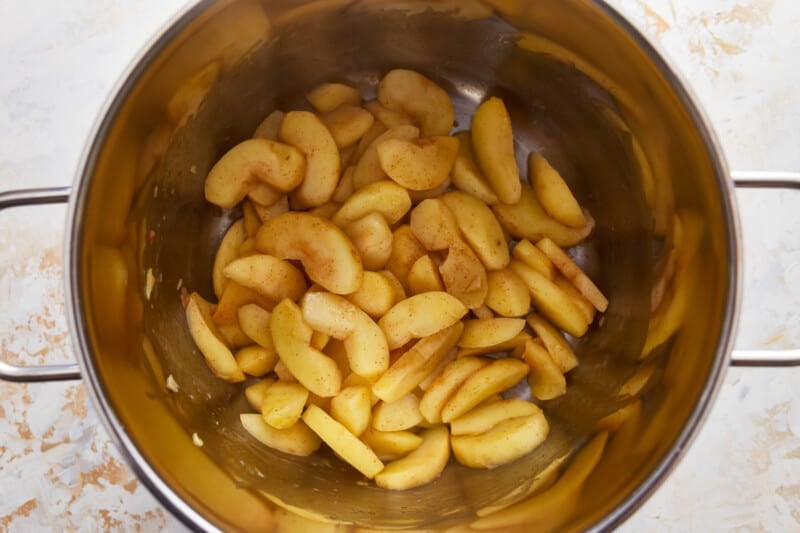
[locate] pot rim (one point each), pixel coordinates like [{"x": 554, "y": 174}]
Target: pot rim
[
  {"x": 96, "y": 389},
  {"x": 732, "y": 305},
  {"x": 72, "y": 263}
]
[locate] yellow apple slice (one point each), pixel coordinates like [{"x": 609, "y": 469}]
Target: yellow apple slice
[
  {"x": 507, "y": 441},
  {"x": 364, "y": 342},
  {"x": 282, "y": 404},
  {"x": 413, "y": 93},
  {"x": 493, "y": 142},
  {"x": 554, "y": 193},
  {"x": 296, "y": 440},
  {"x": 420, "y": 466},
  {"x": 494, "y": 378},
  {"x": 292, "y": 336},
  {"x": 341, "y": 441},
  {"x": 306, "y": 132},
  {"x": 328, "y": 256},
  {"x": 243, "y": 166},
  {"x": 414, "y": 365},
  {"x": 273, "y": 278},
  {"x": 419, "y": 316},
  {"x": 419, "y": 164},
  {"x": 208, "y": 340},
  {"x": 443, "y": 387}
]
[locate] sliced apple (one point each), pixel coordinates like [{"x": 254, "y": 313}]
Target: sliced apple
[
  {"x": 485, "y": 332},
  {"x": 292, "y": 336},
  {"x": 254, "y": 321},
  {"x": 420, "y": 466},
  {"x": 467, "y": 177},
  {"x": 408, "y": 371},
  {"x": 389, "y": 445},
  {"x": 328, "y": 256},
  {"x": 341, "y": 441},
  {"x": 406, "y": 249},
  {"x": 255, "y": 360},
  {"x": 233, "y": 335},
  {"x": 493, "y": 142},
  {"x": 270, "y": 126},
  {"x": 306, "y": 132},
  {"x": 507, "y": 295},
  {"x": 488, "y": 415},
  {"x": 577, "y": 298},
  {"x": 352, "y": 408},
  {"x": 397, "y": 286},
  {"x": 344, "y": 189},
  {"x": 419, "y": 316},
  {"x": 368, "y": 169},
  {"x": 464, "y": 275},
  {"x": 510, "y": 344},
  {"x": 573, "y": 272},
  {"x": 255, "y": 392},
  {"x": 296, "y": 440},
  {"x": 319, "y": 340},
  {"x": 489, "y": 380},
  {"x": 435, "y": 225},
  {"x": 527, "y": 219},
  {"x": 554, "y": 341},
  {"x": 398, "y": 415},
  {"x": 506, "y": 442},
  {"x": 442, "y": 388},
  {"x": 228, "y": 251},
  {"x": 424, "y": 276},
  {"x": 384, "y": 197},
  {"x": 329, "y": 96},
  {"x": 273, "y": 278},
  {"x": 413, "y": 93},
  {"x": 265, "y": 212},
  {"x": 251, "y": 220},
  {"x": 263, "y": 194},
  {"x": 347, "y": 124},
  {"x": 375, "y": 296},
  {"x": 282, "y": 404},
  {"x": 532, "y": 256},
  {"x": 550, "y": 301},
  {"x": 376, "y": 130},
  {"x": 545, "y": 379},
  {"x": 479, "y": 228},
  {"x": 554, "y": 193},
  {"x": 419, "y": 164},
  {"x": 364, "y": 342},
  {"x": 372, "y": 237},
  {"x": 208, "y": 340},
  {"x": 243, "y": 166},
  {"x": 388, "y": 117}
]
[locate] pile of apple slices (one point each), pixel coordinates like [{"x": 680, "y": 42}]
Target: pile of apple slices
[{"x": 372, "y": 287}]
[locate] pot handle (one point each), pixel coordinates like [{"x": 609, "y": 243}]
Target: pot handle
[
  {"x": 56, "y": 195},
  {"x": 766, "y": 180},
  {"x": 9, "y": 372}
]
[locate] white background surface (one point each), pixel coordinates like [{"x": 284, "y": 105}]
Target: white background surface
[{"x": 60, "y": 59}]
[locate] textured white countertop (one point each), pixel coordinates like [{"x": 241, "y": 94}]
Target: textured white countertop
[{"x": 60, "y": 59}]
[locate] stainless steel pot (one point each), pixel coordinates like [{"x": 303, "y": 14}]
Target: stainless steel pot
[{"x": 584, "y": 87}]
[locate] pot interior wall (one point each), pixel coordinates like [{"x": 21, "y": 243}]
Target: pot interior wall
[{"x": 578, "y": 87}]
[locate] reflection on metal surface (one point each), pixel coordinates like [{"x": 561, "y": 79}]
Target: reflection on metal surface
[
  {"x": 550, "y": 509},
  {"x": 581, "y": 89},
  {"x": 680, "y": 288}
]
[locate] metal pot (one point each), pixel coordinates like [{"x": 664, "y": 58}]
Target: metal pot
[{"x": 583, "y": 86}]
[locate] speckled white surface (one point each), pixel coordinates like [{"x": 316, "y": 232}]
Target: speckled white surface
[{"x": 58, "y": 470}]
